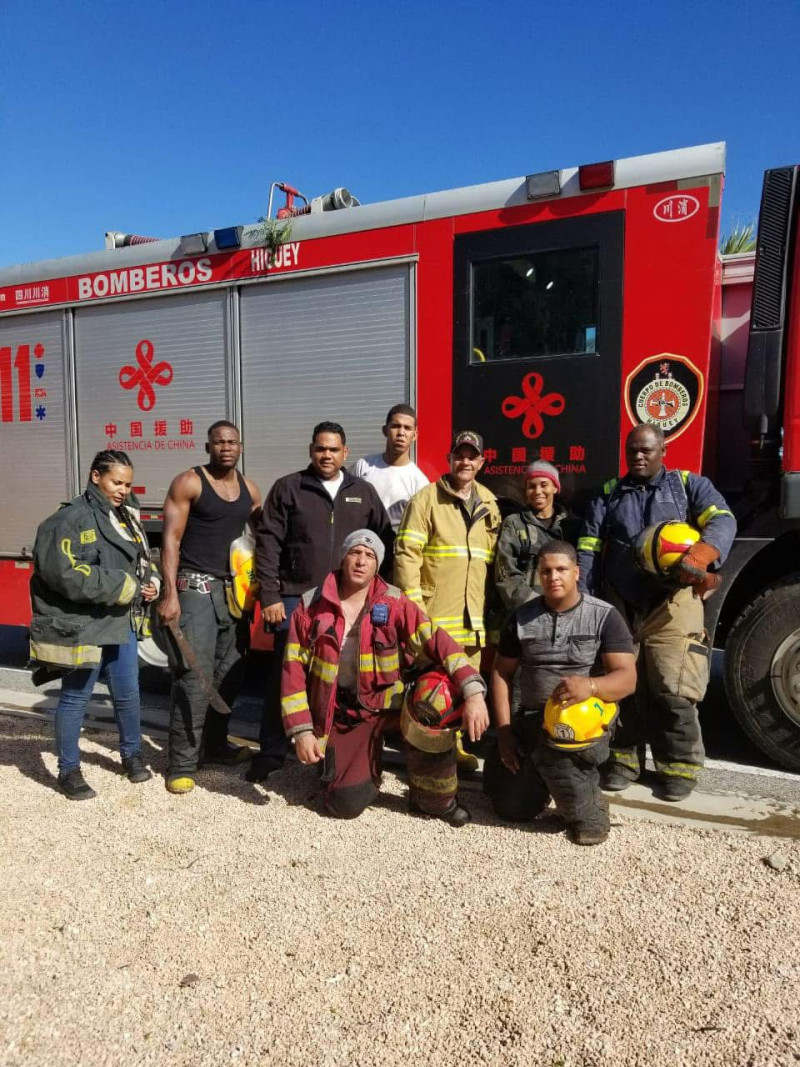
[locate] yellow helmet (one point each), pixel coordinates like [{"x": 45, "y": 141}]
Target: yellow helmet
[
  {"x": 577, "y": 726},
  {"x": 659, "y": 548},
  {"x": 243, "y": 587}
]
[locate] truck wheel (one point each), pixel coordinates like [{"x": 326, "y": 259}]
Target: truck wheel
[
  {"x": 151, "y": 654},
  {"x": 152, "y": 650},
  {"x": 762, "y": 672}
]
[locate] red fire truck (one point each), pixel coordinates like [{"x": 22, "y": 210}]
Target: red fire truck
[{"x": 551, "y": 312}]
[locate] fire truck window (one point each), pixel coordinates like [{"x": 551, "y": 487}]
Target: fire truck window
[{"x": 534, "y": 305}]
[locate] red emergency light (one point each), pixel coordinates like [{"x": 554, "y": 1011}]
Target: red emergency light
[{"x": 596, "y": 175}]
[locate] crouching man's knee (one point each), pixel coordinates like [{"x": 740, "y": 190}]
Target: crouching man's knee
[{"x": 516, "y": 797}]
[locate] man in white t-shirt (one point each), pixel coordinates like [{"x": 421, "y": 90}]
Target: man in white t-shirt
[{"x": 393, "y": 473}]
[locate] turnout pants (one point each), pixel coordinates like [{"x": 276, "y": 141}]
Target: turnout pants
[
  {"x": 673, "y": 657},
  {"x": 219, "y": 642},
  {"x": 271, "y": 738},
  {"x": 571, "y": 778},
  {"x": 351, "y": 771}
]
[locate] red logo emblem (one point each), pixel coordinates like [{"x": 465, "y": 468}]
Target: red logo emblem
[
  {"x": 662, "y": 404},
  {"x": 146, "y": 376},
  {"x": 532, "y": 405}
]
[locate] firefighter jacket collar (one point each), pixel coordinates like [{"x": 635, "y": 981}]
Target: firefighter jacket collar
[
  {"x": 551, "y": 526},
  {"x": 329, "y": 592},
  {"x": 109, "y": 523},
  {"x": 629, "y": 482},
  {"x": 483, "y": 496}
]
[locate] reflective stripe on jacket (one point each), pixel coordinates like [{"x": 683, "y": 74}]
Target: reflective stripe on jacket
[
  {"x": 443, "y": 558},
  {"x": 395, "y": 633}
]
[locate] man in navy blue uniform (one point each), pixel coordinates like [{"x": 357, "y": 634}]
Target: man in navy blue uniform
[{"x": 666, "y": 617}]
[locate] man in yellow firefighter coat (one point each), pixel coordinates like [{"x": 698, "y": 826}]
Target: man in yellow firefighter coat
[{"x": 445, "y": 550}]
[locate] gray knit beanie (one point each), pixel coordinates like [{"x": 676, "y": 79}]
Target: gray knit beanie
[
  {"x": 366, "y": 538},
  {"x": 542, "y": 469}
]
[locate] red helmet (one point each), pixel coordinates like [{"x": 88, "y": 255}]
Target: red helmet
[{"x": 431, "y": 712}]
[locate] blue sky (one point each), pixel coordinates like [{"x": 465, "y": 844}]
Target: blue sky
[{"x": 166, "y": 118}]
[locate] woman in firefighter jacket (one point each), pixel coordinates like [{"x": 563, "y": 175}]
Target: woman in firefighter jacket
[
  {"x": 350, "y": 639},
  {"x": 522, "y": 536},
  {"x": 92, "y": 577}
]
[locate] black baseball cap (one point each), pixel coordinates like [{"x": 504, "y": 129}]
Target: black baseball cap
[{"x": 468, "y": 437}]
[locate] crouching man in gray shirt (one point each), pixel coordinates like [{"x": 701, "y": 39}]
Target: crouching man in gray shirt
[{"x": 573, "y": 648}]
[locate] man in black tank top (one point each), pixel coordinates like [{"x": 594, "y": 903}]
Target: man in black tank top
[{"x": 206, "y": 509}]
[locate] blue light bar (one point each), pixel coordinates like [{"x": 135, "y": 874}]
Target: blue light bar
[{"x": 230, "y": 237}]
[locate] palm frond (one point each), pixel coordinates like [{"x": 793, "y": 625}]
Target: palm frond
[{"x": 742, "y": 238}]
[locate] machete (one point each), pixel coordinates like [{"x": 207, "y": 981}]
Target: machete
[{"x": 190, "y": 659}]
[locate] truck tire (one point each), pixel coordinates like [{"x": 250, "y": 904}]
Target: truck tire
[
  {"x": 152, "y": 652},
  {"x": 762, "y": 672}
]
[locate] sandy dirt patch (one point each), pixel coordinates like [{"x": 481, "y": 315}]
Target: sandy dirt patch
[{"x": 239, "y": 925}]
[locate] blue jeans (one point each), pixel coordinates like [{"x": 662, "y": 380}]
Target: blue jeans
[{"x": 119, "y": 667}]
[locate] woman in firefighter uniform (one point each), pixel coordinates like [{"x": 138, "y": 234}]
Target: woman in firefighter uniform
[
  {"x": 92, "y": 577},
  {"x": 575, "y": 659},
  {"x": 351, "y": 640},
  {"x": 543, "y": 519}
]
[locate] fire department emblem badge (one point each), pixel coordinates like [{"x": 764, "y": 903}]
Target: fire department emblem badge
[
  {"x": 562, "y": 732},
  {"x": 664, "y": 391}
]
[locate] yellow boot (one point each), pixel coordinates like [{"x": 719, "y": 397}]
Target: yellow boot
[
  {"x": 466, "y": 763},
  {"x": 181, "y": 784}
]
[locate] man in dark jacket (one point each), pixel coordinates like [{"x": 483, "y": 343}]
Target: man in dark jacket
[
  {"x": 299, "y": 537},
  {"x": 666, "y": 617}
]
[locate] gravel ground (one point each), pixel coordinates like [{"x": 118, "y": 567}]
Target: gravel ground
[{"x": 238, "y": 925}]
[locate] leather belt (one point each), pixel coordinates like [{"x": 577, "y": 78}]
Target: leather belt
[{"x": 200, "y": 583}]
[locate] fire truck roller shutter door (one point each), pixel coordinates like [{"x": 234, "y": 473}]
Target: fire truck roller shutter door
[
  {"x": 329, "y": 346},
  {"x": 34, "y": 437},
  {"x": 151, "y": 378}
]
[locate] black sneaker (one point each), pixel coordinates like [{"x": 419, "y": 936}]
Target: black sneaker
[
  {"x": 228, "y": 754},
  {"x": 75, "y": 786},
  {"x": 135, "y": 769},
  {"x": 674, "y": 789},
  {"x": 614, "y": 783}
]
